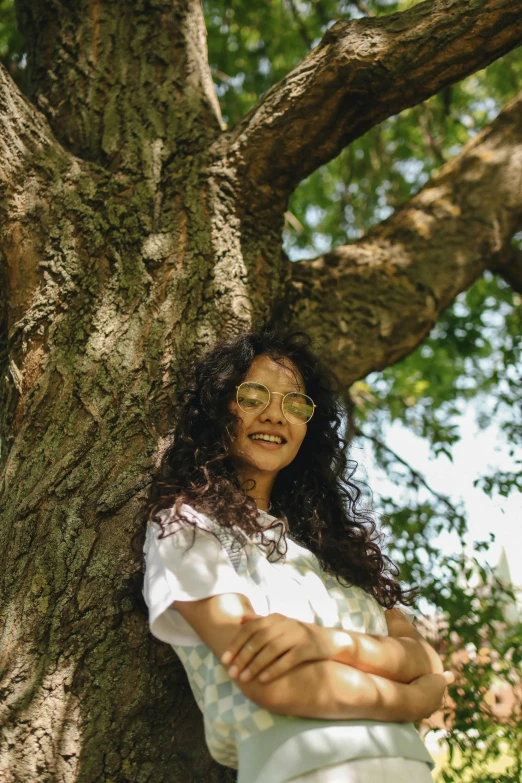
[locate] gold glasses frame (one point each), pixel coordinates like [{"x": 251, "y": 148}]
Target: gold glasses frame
[{"x": 284, "y": 396}]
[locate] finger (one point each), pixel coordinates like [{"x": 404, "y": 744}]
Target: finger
[
  {"x": 449, "y": 677},
  {"x": 266, "y": 656},
  {"x": 249, "y": 616},
  {"x": 243, "y": 658},
  {"x": 279, "y": 667},
  {"x": 250, "y": 649},
  {"x": 239, "y": 641}
]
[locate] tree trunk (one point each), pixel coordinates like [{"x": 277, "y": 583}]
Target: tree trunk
[{"x": 135, "y": 233}]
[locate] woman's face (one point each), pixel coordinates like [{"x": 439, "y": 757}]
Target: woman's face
[{"x": 257, "y": 456}]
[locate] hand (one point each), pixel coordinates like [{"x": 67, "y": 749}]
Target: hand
[
  {"x": 428, "y": 693},
  {"x": 270, "y": 646}
]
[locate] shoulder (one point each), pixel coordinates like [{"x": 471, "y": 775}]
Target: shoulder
[
  {"x": 169, "y": 520},
  {"x": 171, "y": 533}
]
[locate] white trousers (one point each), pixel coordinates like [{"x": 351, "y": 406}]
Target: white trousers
[{"x": 374, "y": 770}]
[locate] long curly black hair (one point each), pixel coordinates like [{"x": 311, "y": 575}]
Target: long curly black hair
[{"x": 316, "y": 494}]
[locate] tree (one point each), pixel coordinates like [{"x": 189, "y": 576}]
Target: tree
[{"x": 136, "y": 230}]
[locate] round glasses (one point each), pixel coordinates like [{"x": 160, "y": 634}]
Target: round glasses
[{"x": 255, "y": 397}]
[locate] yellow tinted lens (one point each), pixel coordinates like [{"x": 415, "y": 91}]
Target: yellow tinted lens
[
  {"x": 252, "y": 397},
  {"x": 298, "y": 408}
]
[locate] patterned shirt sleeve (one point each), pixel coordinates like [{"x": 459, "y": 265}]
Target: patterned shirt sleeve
[{"x": 187, "y": 565}]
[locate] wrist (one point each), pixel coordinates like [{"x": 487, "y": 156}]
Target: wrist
[
  {"x": 409, "y": 706},
  {"x": 414, "y": 703},
  {"x": 341, "y": 646}
]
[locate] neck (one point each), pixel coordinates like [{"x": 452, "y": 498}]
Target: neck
[
  {"x": 260, "y": 491},
  {"x": 261, "y": 505}
]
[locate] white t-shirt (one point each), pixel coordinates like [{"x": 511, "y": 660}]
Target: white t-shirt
[{"x": 193, "y": 564}]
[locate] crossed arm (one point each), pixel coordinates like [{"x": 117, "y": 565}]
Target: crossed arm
[
  {"x": 403, "y": 655},
  {"x": 269, "y": 646},
  {"x": 333, "y": 674}
]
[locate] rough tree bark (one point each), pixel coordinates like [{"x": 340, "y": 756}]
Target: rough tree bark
[{"x": 135, "y": 232}]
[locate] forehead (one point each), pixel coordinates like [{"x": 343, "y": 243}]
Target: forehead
[{"x": 282, "y": 373}]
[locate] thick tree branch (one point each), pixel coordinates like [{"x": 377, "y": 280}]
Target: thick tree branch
[
  {"x": 30, "y": 160},
  {"x": 364, "y": 71},
  {"x": 371, "y": 303},
  {"x": 24, "y": 133},
  {"x": 508, "y": 264},
  {"x": 124, "y": 84}
]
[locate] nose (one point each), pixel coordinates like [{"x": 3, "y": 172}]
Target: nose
[{"x": 274, "y": 409}]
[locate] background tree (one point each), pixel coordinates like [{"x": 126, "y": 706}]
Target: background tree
[{"x": 139, "y": 225}]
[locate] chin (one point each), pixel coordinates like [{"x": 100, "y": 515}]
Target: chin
[{"x": 262, "y": 463}]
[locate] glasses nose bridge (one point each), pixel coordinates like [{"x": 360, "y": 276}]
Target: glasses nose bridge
[{"x": 270, "y": 400}]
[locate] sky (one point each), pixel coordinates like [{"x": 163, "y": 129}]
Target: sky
[{"x": 473, "y": 456}]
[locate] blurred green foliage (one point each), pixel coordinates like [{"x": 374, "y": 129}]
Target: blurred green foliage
[
  {"x": 11, "y": 43},
  {"x": 472, "y": 356}
]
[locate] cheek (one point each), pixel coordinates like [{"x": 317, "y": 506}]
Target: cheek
[{"x": 299, "y": 438}]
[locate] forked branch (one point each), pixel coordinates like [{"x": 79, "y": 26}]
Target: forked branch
[{"x": 362, "y": 72}]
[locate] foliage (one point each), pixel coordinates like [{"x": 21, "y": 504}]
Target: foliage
[
  {"x": 11, "y": 43},
  {"x": 471, "y": 356}
]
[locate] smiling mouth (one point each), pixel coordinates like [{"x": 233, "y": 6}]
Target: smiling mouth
[{"x": 266, "y": 443}]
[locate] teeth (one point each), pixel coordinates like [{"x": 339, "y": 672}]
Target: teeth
[{"x": 270, "y": 438}]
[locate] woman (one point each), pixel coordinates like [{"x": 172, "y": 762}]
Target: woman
[{"x": 269, "y": 583}]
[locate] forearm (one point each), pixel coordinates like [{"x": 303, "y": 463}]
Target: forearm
[
  {"x": 401, "y": 659},
  {"x": 334, "y": 691}
]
